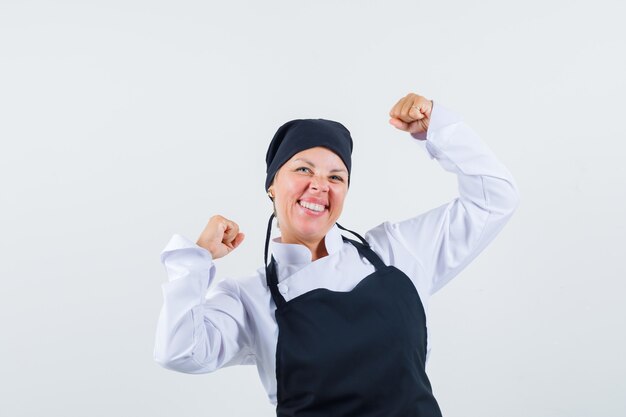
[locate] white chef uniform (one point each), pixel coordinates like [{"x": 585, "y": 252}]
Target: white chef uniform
[{"x": 204, "y": 326}]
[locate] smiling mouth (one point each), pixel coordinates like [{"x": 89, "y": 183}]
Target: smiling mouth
[{"x": 318, "y": 208}]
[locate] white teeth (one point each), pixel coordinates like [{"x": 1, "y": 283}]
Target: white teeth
[{"x": 311, "y": 206}]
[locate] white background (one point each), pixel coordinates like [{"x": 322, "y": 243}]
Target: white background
[{"x": 123, "y": 122}]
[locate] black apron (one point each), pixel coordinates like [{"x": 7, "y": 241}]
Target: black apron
[{"x": 360, "y": 353}]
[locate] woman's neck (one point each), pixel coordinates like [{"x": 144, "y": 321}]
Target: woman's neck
[
  {"x": 317, "y": 248},
  {"x": 319, "y": 251}
]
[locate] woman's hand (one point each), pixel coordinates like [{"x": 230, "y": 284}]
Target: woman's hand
[
  {"x": 411, "y": 113},
  {"x": 220, "y": 236}
]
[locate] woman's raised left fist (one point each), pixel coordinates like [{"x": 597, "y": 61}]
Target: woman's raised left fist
[{"x": 411, "y": 113}]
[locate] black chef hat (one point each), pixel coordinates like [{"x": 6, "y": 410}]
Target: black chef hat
[{"x": 300, "y": 134}]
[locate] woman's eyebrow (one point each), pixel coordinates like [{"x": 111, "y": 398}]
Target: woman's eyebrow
[{"x": 313, "y": 165}]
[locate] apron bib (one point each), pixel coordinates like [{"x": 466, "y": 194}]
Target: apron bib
[{"x": 360, "y": 353}]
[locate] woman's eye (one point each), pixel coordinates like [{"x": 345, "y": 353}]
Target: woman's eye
[
  {"x": 337, "y": 178},
  {"x": 305, "y": 169}
]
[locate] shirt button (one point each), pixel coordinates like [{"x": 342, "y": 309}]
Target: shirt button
[{"x": 284, "y": 289}]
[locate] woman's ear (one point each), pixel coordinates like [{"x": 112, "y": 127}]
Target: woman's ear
[{"x": 270, "y": 193}]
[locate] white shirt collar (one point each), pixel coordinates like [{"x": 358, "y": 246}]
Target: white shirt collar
[{"x": 294, "y": 253}]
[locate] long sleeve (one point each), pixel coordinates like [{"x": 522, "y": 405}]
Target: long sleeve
[
  {"x": 446, "y": 239},
  {"x": 201, "y": 328}
]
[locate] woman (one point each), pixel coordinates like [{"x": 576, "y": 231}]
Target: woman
[{"x": 336, "y": 326}]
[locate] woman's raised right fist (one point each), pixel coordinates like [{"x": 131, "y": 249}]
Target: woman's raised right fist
[{"x": 220, "y": 236}]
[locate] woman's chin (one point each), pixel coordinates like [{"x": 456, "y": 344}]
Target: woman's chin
[
  {"x": 310, "y": 230},
  {"x": 307, "y": 227},
  {"x": 310, "y": 233}
]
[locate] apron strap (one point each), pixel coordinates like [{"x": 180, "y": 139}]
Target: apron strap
[
  {"x": 368, "y": 253},
  {"x": 270, "y": 272},
  {"x": 354, "y": 233},
  {"x": 364, "y": 248},
  {"x": 271, "y": 276},
  {"x": 267, "y": 238}
]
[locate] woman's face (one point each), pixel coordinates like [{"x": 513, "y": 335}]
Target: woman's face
[{"x": 309, "y": 190}]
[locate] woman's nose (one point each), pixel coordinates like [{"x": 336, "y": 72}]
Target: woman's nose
[{"x": 320, "y": 184}]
